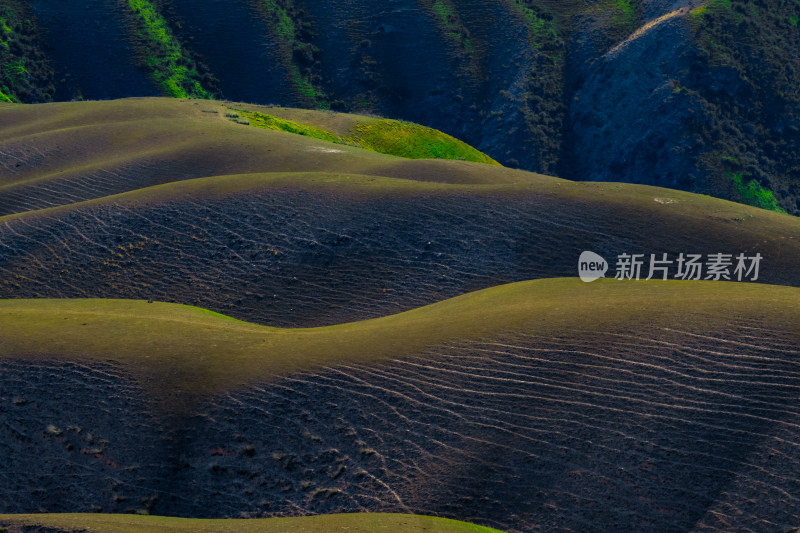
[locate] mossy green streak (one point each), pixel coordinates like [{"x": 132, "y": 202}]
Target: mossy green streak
[{"x": 167, "y": 62}]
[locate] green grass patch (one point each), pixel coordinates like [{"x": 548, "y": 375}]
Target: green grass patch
[
  {"x": 454, "y": 29},
  {"x": 307, "y": 90},
  {"x": 698, "y": 14},
  {"x": 335, "y": 523},
  {"x": 283, "y": 24},
  {"x": 6, "y": 98},
  {"x": 5, "y": 33},
  {"x": 542, "y": 28},
  {"x": 752, "y": 193},
  {"x": 624, "y": 14},
  {"x": 793, "y": 20},
  {"x": 15, "y": 69},
  {"x": 25, "y": 73},
  {"x": 269, "y": 122},
  {"x": 731, "y": 160},
  {"x": 413, "y": 141},
  {"x": 393, "y": 137},
  {"x": 167, "y": 62},
  {"x": 445, "y": 11}
]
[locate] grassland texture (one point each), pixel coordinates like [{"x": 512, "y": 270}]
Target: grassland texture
[
  {"x": 343, "y": 523},
  {"x": 316, "y": 249},
  {"x": 62, "y": 153},
  {"x": 643, "y": 407}
]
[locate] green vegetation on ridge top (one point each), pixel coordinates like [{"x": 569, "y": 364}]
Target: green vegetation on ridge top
[
  {"x": 413, "y": 141},
  {"x": 269, "y": 122},
  {"x": 394, "y": 137},
  {"x": 698, "y": 14}
]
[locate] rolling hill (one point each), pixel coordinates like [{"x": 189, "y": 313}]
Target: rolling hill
[
  {"x": 292, "y": 230},
  {"x": 215, "y": 310},
  {"x": 545, "y": 405},
  {"x": 688, "y": 94}
]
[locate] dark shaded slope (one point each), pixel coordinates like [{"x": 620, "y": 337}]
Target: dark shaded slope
[
  {"x": 400, "y": 60},
  {"x": 629, "y": 114},
  {"x": 235, "y": 44},
  {"x": 302, "y": 250},
  {"x": 90, "y": 48},
  {"x": 413, "y": 56},
  {"x": 700, "y": 101}
]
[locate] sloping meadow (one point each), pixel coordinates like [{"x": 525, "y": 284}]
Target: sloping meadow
[{"x": 426, "y": 373}]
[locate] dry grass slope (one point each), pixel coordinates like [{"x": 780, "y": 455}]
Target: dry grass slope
[
  {"x": 201, "y": 353},
  {"x": 311, "y": 249},
  {"x": 52, "y": 154},
  {"x": 350, "y": 523}
]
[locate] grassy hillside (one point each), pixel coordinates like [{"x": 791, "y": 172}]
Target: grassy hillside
[
  {"x": 209, "y": 353},
  {"x": 94, "y": 149},
  {"x": 308, "y": 249},
  {"x": 394, "y": 137},
  {"x": 351, "y": 523},
  {"x": 559, "y": 87},
  {"x": 509, "y": 407}
]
